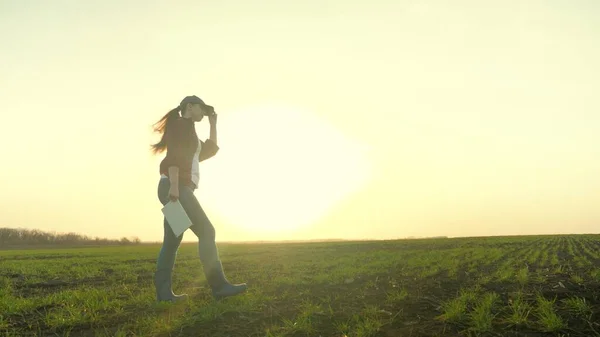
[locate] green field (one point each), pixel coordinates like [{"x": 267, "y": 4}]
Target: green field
[{"x": 497, "y": 286}]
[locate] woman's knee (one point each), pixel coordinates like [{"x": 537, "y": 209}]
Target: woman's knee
[
  {"x": 172, "y": 242},
  {"x": 204, "y": 231},
  {"x": 210, "y": 232}
]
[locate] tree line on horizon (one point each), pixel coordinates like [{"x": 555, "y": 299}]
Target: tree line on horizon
[{"x": 35, "y": 237}]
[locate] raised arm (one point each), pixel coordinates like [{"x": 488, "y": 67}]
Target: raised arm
[{"x": 210, "y": 147}]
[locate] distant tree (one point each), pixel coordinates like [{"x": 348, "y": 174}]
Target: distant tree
[{"x": 36, "y": 237}]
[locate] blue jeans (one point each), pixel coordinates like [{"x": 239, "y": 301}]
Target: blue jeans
[{"x": 201, "y": 226}]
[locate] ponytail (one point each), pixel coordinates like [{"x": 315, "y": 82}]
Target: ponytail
[{"x": 161, "y": 128}]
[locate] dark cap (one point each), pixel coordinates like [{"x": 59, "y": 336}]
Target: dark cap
[{"x": 191, "y": 99}]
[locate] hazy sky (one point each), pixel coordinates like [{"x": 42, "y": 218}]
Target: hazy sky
[{"x": 377, "y": 119}]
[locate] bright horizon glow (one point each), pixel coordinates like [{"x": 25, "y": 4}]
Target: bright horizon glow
[
  {"x": 283, "y": 173},
  {"x": 381, "y": 119}
]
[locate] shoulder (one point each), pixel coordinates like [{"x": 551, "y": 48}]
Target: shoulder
[{"x": 180, "y": 123}]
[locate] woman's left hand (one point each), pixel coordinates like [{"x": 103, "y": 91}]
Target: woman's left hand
[{"x": 212, "y": 119}]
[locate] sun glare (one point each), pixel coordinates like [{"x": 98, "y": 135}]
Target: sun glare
[{"x": 280, "y": 168}]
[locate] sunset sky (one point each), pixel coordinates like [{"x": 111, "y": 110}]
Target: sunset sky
[{"x": 337, "y": 119}]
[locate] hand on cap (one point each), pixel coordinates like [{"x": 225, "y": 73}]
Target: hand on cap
[{"x": 212, "y": 119}]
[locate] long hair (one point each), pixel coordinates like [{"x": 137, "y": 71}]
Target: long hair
[{"x": 161, "y": 127}]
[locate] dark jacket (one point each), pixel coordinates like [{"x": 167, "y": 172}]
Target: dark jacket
[{"x": 182, "y": 142}]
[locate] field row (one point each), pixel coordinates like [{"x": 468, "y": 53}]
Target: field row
[{"x": 498, "y": 286}]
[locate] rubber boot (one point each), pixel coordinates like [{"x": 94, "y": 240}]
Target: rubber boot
[
  {"x": 162, "y": 283},
  {"x": 219, "y": 284}
]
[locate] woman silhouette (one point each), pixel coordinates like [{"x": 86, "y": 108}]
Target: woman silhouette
[{"x": 179, "y": 178}]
